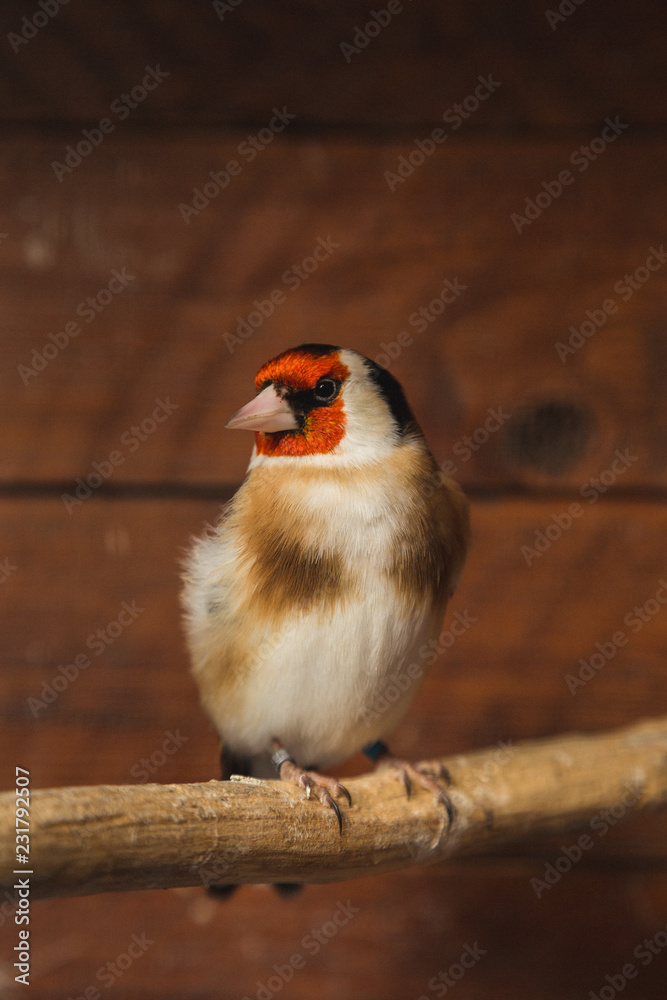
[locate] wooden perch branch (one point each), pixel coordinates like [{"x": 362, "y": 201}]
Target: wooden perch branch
[{"x": 118, "y": 838}]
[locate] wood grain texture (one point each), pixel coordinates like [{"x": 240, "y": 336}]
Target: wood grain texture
[
  {"x": 161, "y": 337},
  {"x": 122, "y": 838},
  {"x": 427, "y": 58}
]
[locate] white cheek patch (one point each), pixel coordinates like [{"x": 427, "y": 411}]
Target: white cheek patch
[{"x": 370, "y": 430}]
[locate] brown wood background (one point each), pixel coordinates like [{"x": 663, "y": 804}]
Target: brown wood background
[{"x": 66, "y": 574}]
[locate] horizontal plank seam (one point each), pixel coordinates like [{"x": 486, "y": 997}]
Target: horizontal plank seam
[{"x": 170, "y": 490}]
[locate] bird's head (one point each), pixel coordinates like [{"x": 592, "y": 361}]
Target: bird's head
[{"x": 323, "y": 400}]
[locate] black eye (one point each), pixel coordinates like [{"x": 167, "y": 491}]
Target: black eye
[{"x": 326, "y": 390}]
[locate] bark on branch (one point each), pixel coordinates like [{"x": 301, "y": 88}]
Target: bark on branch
[{"x": 118, "y": 838}]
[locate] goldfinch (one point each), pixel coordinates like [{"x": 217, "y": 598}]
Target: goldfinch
[{"x": 329, "y": 569}]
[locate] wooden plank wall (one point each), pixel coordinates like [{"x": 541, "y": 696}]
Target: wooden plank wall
[{"x": 123, "y": 292}]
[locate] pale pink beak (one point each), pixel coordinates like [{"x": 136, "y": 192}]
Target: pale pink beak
[{"x": 266, "y": 412}]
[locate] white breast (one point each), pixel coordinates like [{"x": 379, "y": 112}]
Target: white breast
[
  {"x": 312, "y": 680},
  {"x": 315, "y": 685}
]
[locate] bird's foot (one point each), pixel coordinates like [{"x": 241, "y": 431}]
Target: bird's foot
[
  {"x": 427, "y": 775},
  {"x": 319, "y": 785}
]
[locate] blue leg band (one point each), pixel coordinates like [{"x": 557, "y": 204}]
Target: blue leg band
[{"x": 375, "y": 750}]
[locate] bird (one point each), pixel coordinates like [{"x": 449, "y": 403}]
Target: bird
[{"x": 328, "y": 571}]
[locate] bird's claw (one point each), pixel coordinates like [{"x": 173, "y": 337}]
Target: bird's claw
[
  {"x": 327, "y": 800},
  {"x": 436, "y": 769},
  {"x": 342, "y": 790},
  {"x": 430, "y": 771},
  {"x": 319, "y": 785},
  {"x": 322, "y": 788},
  {"x": 423, "y": 775}
]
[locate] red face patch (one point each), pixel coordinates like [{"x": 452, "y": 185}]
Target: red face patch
[{"x": 324, "y": 426}]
